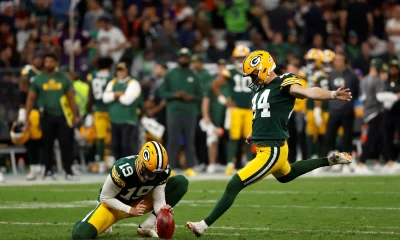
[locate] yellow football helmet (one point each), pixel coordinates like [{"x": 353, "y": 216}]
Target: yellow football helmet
[
  {"x": 327, "y": 59},
  {"x": 87, "y": 135},
  {"x": 34, "y": 131},
  {"x": 314, "y": 58},
  {"x": 258, "y": 65},
  {"x": 239, "y": 53},
  {"x": 18, "y": 134},
  {"x": 152, "y": 159}
]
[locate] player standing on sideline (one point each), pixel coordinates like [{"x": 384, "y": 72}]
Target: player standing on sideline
[
  {"x": 272, "y": 105},
  {"x": 239, "y": 105},
  {"x": 314, "y": 118},
  {"x": 33, "y": 145},
  {"x": 97, "y": 110},
  {"x": 135, "y": 186}
]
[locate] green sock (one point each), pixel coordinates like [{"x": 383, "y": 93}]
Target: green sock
[
  {"x": 232, "y": 149},
  {"x": 301, "y": 167},
  {"x": 100, "y": 149},
  {"x": 249, "y": 153},
  {"x": 233, "y": 188},
  {"x": 84, "y": 230},
  {"x": 175, "y": 189}
]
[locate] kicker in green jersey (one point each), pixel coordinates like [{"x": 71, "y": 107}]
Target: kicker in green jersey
[
  {"x": 124, "y": 175},
  {"x": 272, "y": 107}
]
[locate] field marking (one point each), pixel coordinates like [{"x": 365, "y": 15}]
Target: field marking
[
  {"x": 226, "y": 228},
  {"x": 256, "y": 192},
  {"x": 191, "y": 203}
]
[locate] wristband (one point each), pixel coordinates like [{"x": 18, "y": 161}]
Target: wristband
[
  {"x": 333, "y": 94},
  {"x": 222, "y": 99}
]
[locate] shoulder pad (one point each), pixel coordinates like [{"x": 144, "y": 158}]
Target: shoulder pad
[
  {"x": 116, "y": 177},
  {"x": 226, "y": 73},
  {"x": 289, "y": 79}
]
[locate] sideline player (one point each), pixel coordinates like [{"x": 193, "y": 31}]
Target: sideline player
[
  {"x": 272, "y": 105},
  {"x": 135, "y": 186}
]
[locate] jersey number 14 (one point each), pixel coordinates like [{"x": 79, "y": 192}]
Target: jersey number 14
[{"x": 262, "y": 103}]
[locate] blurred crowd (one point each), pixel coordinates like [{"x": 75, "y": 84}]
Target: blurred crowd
[{"x": 173, "y": 50}]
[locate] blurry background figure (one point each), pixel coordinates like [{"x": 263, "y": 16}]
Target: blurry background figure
[
  {"x": 297, "y": 124},
  {"x": 60, "y": 114},
  {"x": 391, "y": 116},
  {"x": 182, "y": 91},
  {"x": 373, "y": 115},
  {"x": 122, "y": 96},
  {"x": 341, "y": 114},
  {"x": 201, "y": 136},
  {"x": 110, "y": 39},
  {"x": 239, "y": 115},
  {"x": 97, "y": 111}
]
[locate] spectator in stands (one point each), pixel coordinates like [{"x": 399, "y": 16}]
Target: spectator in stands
[
  {"x": 279, "y": 47},
  {"x": 352, "y": 47},
  {"x": 111, "y": 40},
  {"x": 235, "y": 16},
  {"x": 92, "y": 15},
  {"x": 187, "y": 34},
  {"x": 393, "y": 29},
  {"x": 182, "y": 91},
  {"x": 55, "y": 92},
  {"x": 373, "y": 115},
  {"x": 358, "y": 17},
  {"x": 390, "y": 52},
  {"x": 80, "y": 46},
  {"x": 130, "y": 22},
  {"x": 341, "y": 114},
  {"x": 122, "y": 95},
  {"x": 362, "y": 62},
  {"x": 377, "y": 46},
  {"x": 281, "y": 17},
  {"x": 46, "y": 43}
]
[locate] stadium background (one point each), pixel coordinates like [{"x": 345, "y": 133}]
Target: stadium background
[{"x": 156, "y": 30}]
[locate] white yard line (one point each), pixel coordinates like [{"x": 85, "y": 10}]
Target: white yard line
[
  {"x": 237, "y": 229},
  {"x": 191, "y": 203}
]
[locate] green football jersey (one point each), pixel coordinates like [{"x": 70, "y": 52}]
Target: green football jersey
[
  {"x": 239, "y": 88},
  {"x": 272, "y": 107},
  {"x": 123, "y": 173},
  {"x": 98, "y": 81}
]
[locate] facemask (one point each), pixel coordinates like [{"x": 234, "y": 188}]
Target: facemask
[{"x": 310, "y": 65}]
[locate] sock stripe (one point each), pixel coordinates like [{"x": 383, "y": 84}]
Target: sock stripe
[{"x": 269, "y": 165}]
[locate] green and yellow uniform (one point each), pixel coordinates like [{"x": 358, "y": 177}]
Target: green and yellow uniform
[
  {"x": 98, "y": 81},
  {"x": 31, "y": 72},
  {"x": 120, "y": 113},
  {"x": 240, "y": 115},
  {"x": 272, "y": 106},
  {"x": 132, "y": 191},
  {"x": 50, "y": 89}
]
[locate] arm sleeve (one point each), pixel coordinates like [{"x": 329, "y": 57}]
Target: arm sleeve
[
  {"x": 132, "y": 92},
  {"x": 159, "y": 198},
  {"x": 108, "y": 95},
  {"x": 108, "y": 194}
]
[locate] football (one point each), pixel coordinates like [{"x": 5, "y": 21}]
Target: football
[{"x": 165, "y": 224}]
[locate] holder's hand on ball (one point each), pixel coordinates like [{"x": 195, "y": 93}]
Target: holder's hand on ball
[{"x": 168, "y": 208}]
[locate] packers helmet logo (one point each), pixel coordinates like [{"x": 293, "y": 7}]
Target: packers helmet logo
[
  {"x": 255, "y": 61},
  {"x": 146, "y": 155}
]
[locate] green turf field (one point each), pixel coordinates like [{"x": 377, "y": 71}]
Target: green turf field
[{"x": 309, "y": 208}]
